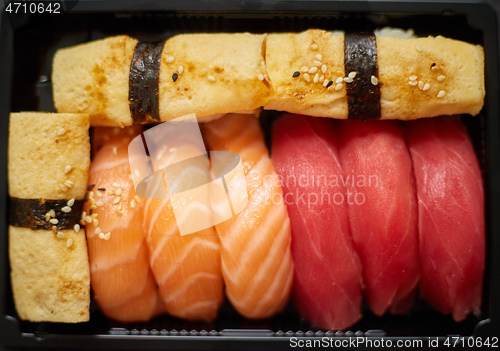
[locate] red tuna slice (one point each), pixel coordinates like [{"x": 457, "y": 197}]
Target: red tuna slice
[
  {"x": 327, "y": 277},
  {"x": 451, "y": 215},
  {"x": 382, "y": 211}
]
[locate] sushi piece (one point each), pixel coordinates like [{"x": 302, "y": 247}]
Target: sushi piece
[
  {"x": 122, "y": 281},
  {"x": 255, "y": 244},
  {"x": 382, "y": 210},
  {"x": 450, "y": 215},
  {"x": 328, "y": 274}
]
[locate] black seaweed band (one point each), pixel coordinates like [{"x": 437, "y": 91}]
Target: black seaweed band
[
  {"x": 360, "y": 56},
  {"x": 144, "y": 82},
  {"x": 30, "y": 213}
]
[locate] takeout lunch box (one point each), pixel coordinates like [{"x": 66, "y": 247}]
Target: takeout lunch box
[{"x": 27, "y": 45}]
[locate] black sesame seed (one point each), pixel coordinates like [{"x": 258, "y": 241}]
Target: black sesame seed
[
  {"x": 296, "y": 74},
  {"x": 329, "y": 84},
  {"x": 91, "y": 187},
  {"x": 175, "y": 76},
  {"x": 101, "y": 189},
  {"x": 86, "y": 197},
  {"x": 90, "y": 212}
]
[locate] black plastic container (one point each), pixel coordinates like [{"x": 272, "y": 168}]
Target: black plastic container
[{"x": 27, "y": 44}]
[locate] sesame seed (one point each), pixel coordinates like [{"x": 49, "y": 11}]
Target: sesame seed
[
  {"x": 318, "y": 63},
  {"x": 90, "y": 187},
  {"x": 116, "y": 185},
  {"x": 119, "y": 206},
  {"x": 260, "y": 77},
  {"x": 420, "y": 84},
  {"x": 98, "y": 230},
  {"x": 441, "y": 94},
  {"x": 304, "y": 69},
  {"x": 352, "y": 75},
  {"x": 91, "y": 195},
  {"x": 180, "y": 69},
  {"x": 170, "y": 59},
  {"x": 211, "y": 79},
  {"x": 52, "y": 213},
  {"x": 280, "y": 90},
  {"x": 95, "y": 222},
  {"x": 339, "y": 80},
  {"x": 93, "y": 207},
  {"x": 314, "y": 47},
  {"x": 99, "y": 203},
  {"x": 47, "y": 217},
  {"x": 132, "y": 203},
  {"x": 99, "y": 194},
  {"x": 76, "y": 228},
  {"x": 323, "y": 68},
  {"x": 54, "y": 229},
  {"x": 66, "y": 209},
  {"x": 325, "y": 82},
  {"x": 419, "y": 49},
  {"x": 306, "y": 77},
  {"x": 118, "y": 191},
  {"x": 434, "y": 68},
  {"x": 88, "y": 219},
  {"x": 137, "y": 198},
  {"x": 348, "y": 80},
  {"x": 322, "y": 79},
  {"x": 413, "y": 82},
  {"x": 54, "y": 221},
  {"x": 339, "y": 86},
  {"x": 63, "y": 187},
  {"x": 203, "y": 72},
  {"x": 316, "y": 78},
  {"x": 84, "y": 214},
  {"x": 441, "y": 78},
  {"x": 374, "y": 80},
  {"x": 413, "y": 77},
  {"x": 115, "y": 151},
  {"x": 313, "y": 70},
  {"x": 118, "y": 212},
  {"x": 319, "y": 57},
  {"x": 426, "y": 87},
  {"x": 69, "y": 243},
  {"x": 117, "y": 199},
  {"x": 82, "y": 222},
  {"x": 68, "y": 184},
  {"x": 60, "y": 235},
  {"x": 296, "y": 74},
  {"x": 90, "y": 212},
  {"x": 101, "y": 235},
  {"x": 61, "y": 131},
  {"x": 93, "y": 216},
  {"x": 67, "y": 169},
  {"x": 71, "y": 202},
  {"x": 111, "y": 193},
  {"x": 174, "y": 77},
  {"x": 107, "y": 236},
  {"x": 329, "y": 84}
]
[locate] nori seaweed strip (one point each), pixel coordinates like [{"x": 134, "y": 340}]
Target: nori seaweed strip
[
  {"x": 144, "y": 82},
  {"x": 360, "y": 56},
  {"x": 30, "y": 213}
]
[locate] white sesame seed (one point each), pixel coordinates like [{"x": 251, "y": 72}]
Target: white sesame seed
[
  {"x": 76, "y": 228},
  {"x": 47, "y": 217},
  {"x": 93, "y": 216},
  {"x": 99, "y": 203},
  {"x": 91, "y": 195},
  {"x": 339, "y": 86},
  {"x": 441, "y": 78},
  {"x": 420, "y": 84},
  {"x": 70, "y": 202},
  {"x": 68, "y": 183},
  {"x": 321, "y": 79},
  {"x": 61, "y": 131},
  {"x": 88, "y": 219},
  {"x": 260, "y": 77},
  {"x": 107, "y": 236},
  {"x": 118, "y": 191},
  {"x": 115, "y": 151},
  {"x": 314, "y": 47},
  {"x": 98, "y": 230},
  {"x": 318, "y": 63},
  {"x": 54, "y": 229},
  {"x": 203, "y": 72},
  {"x": 118, "y": 212},
  {"x": 180, "y": 69},
  {"x": 211, "y": 79},
  {"x": 93, "y": 206},
  {"x": 117, "y": 199},
  {"x": 434, "y": 68},
  {"x": 306, "y": 77},
  {"x": 99, "y": 194},
  {"x": 67, "y": 169},
  {"x": 116, "y": 185},
  {"x": 54, "y": 221},
  {"x": 66, "y": 209},
  {"x": 119, "y": 206},
  {"x": 413, "y": 82},
  {"x": 323, "y": 68},
  {"x": 95, "y": 222},
  {"x": 137, "y": 198},
  {"x": 325, "y": 82},
  {"x": 339, "y": 80},
  {"x": 170, "y": 59},
  {"x": 313, "y": 70},
  {"x": 101, "y": 235},
  {"x": 304, "y": 69},
  {"x": 316, "y": 78},
  {"x": 441, "y": 94},
  {"x": 413, "y": 77},
  {"x": 84, "y": 215},
  {"x": 426, "y": 87},
  {"x": 60, "y": 235},
  {"x": 63, "y": 187},
  {"x": 132, "y": 203},
  {"x": 52, "y": 213},
  {"x": 319, "y": 57},
  {"x": 419, "y": 49},
  {"x": 111, "y": 193},
  {"x": 279, "y": 91},
  {"x": 374, "y": 80},
  {"x": 352, "y": 75},
  {"x": 348, "y": 80},
  {"x": 69, "y": 243}
]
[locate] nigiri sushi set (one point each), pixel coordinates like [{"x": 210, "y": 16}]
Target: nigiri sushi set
[{"x": 364, "y": 207}]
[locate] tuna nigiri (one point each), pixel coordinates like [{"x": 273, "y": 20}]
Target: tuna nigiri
[
  {"x": 382, "y": 211},
  {"x": 328, "y": 275},
  {"x": 121, "y": 279},
  {"x": 255, "y": 244},
  {"x": 450, "y": 215}
]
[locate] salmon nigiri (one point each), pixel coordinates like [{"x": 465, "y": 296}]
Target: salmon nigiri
[
  {"x": 187, "y": 268},
  {"x": 255, "y": 244},
  {"x": 121, "y": 279}
]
